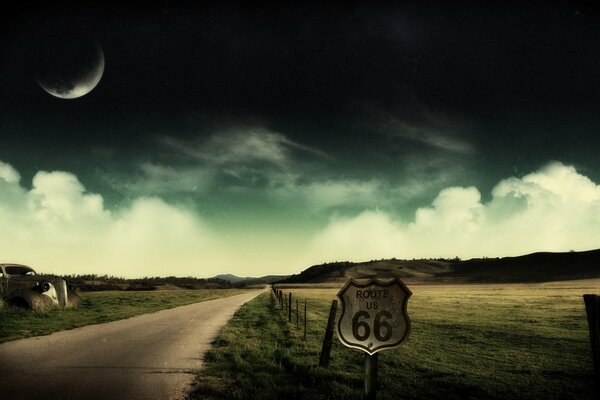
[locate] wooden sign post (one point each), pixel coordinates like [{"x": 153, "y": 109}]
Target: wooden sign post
[{"x": 373, "y": 318}]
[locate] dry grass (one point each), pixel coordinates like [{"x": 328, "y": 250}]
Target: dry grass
[{"x": 524, "y": 341}]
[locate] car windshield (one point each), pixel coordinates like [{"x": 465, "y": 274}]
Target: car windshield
[{"x": 19, "y": 270}]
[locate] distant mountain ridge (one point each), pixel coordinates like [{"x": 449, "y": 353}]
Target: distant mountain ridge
[
  {"x": 535, "y": 267},
  {"x": 249, "y": 280}
]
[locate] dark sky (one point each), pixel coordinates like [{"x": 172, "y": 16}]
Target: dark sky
[{"x": 245, "y": 111}]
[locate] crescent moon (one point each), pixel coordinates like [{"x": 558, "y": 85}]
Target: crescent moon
[{"x": 81, "y": 75}]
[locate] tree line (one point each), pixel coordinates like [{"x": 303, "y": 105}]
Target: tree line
[{"x": 93, "y": 282}]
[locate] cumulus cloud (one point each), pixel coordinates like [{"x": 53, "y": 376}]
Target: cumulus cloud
[
  {"x": 59, "y": 196},
  {"x": 552, "y": 209},
  {"x": 57, "y": 226},
  {"x": 8, "y": 173}
]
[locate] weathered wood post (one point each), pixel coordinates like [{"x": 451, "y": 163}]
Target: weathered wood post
[
  {"x": 592, "y": 307},
  {"x": 326, "y": 349},
  {"x": 370, "y": 382},
  {"x": 297, "y": 315},
  {"x": 281, "y": 299},
  {"x": 305, "y": 320},
  {"x": 290, "y": 308}
]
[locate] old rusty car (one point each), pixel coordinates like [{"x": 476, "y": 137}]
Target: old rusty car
[{"x": 21, "y": 286}]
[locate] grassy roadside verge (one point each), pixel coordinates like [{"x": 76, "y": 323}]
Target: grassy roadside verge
[
  {"x": 259, "y": 356},
  {"x": 98, "y": 307},
  {"x": 466, "y": 343}
]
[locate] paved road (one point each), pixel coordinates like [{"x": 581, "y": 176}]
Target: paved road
[{"x": 150, "y": 356}]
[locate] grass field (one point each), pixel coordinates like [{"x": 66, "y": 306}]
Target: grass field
[
  {"x": 467, "y": 342},
  {"x": 98, "y": 307}
]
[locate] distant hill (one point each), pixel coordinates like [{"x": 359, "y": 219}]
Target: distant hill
[
  {"x": 248, "y": 280},
  {"x": 536, "y": 267},
  {"x": 230, "y": 278},
  {"x": 342, "y": 271}
]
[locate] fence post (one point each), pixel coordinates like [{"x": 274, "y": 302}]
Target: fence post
[
  {"x": 281, "y": 299},
  {"x": 592, "y": 307},
  {"x": 290, "y": 308},
  {"x": 305, "y": 320},
  {"x": 297, "y": 315},
  {"x": 326, "y": 349}
]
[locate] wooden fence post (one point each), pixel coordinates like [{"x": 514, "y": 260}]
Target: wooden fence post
[
  {"x": 592, "y": 307},
  {"x": 297, "y": 315},
  {"x": 305, "y": 320},
  {"x": 290, "y": 308},
  {"x": 327, "y": 342}
]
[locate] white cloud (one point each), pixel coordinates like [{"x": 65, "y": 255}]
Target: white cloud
[
  {"x": 553, "y": 209},
  {"x": 240, "y": 146},
  {"x": 333, "y": 193},
  {"x": 60, "y": 195},
  {"x": 157, "y": 179},
  {"x": 58, "y": 227},
  {"x": 327, "y": 194},
  {"x": 444, "y": 140},
  {"x": 372, "y": 234},
  {"x": 8, "y": 173},
  {"x": 156, "y": 238},
  {"x": 432, "y": 130},
  {"x": 251, "y": 156}
]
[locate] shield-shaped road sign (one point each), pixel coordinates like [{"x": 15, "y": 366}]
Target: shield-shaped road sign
[{"x": 374, "y": 315}]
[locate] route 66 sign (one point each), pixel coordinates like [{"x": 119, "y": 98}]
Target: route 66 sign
[{"x": 374, "y": 315}]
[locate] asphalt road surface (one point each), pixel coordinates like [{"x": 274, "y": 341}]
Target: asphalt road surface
[{"x": 151, "y": 356}]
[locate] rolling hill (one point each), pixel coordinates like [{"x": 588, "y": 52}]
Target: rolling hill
[{"x": 536, "y": 267}]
